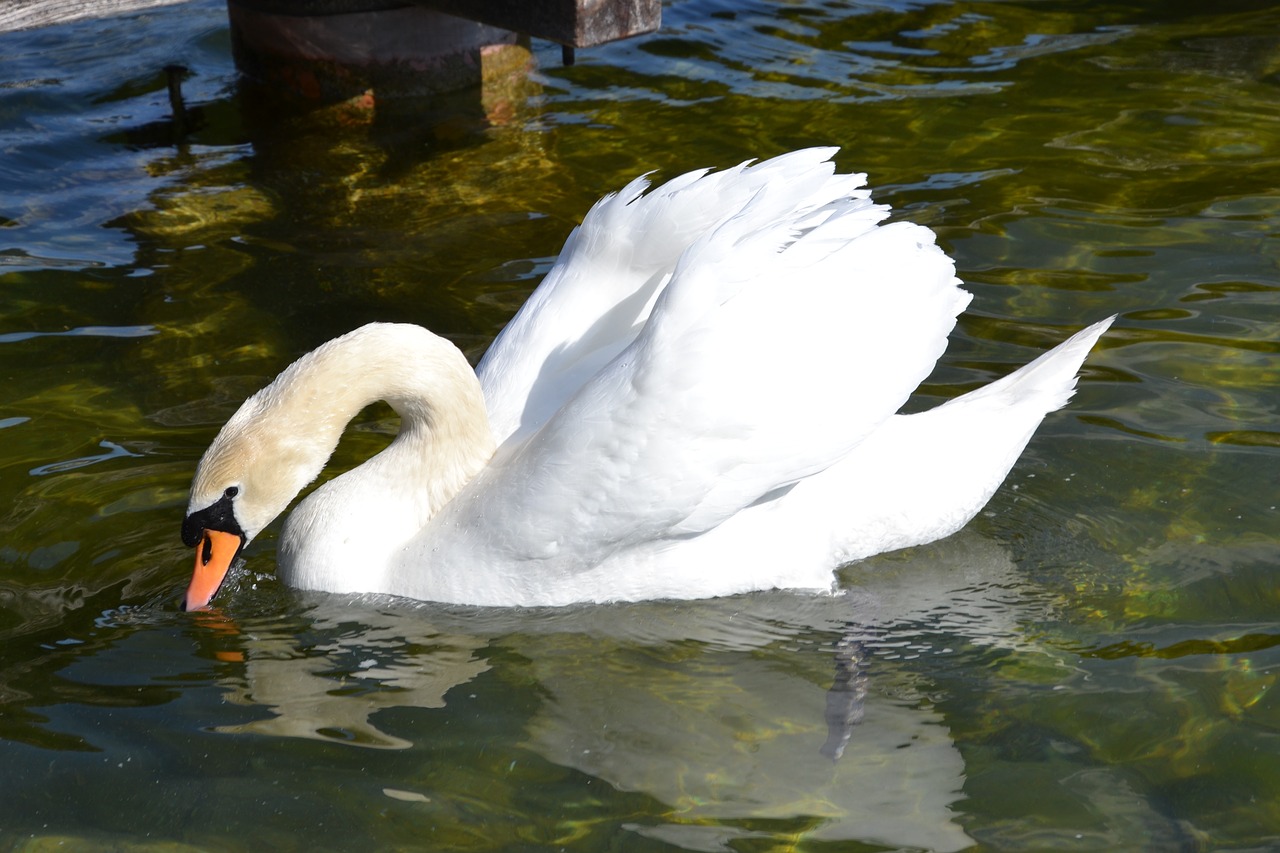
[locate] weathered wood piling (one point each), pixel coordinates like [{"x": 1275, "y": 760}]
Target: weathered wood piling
[{"x": 358, "y": 51}]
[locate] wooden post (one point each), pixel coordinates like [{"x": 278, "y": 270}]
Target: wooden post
[
  {"x": 365, "y": 54},
  {"x": 573, "y": 23},
  {"x": 334, "y": 51}
]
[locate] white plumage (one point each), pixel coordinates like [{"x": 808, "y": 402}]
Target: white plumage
[{"x": 700, "y": 399}]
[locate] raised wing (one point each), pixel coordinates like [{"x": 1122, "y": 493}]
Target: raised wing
[
  {"x": 597, "y": 297},
  {"x": 785, "y": 335}
]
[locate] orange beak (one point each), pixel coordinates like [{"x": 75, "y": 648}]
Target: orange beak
[{"x": 213, "y": 557}]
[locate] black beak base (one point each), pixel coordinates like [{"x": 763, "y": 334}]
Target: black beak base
[{"x": 219, "y": 515}]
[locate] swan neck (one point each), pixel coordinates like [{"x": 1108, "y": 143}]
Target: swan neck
[
  {"x": 444, "y": 437},
  {"x": 282, "y": 437}
]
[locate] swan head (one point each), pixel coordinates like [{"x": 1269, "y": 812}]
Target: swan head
[{"x": 247, "y": 477}]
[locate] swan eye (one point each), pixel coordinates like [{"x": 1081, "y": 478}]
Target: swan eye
[{"x": 231, "y": 492}]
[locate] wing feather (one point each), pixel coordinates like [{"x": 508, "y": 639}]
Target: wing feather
[
  {"x": 598, "y": 295},
  {"x": 783, "y": 334}
]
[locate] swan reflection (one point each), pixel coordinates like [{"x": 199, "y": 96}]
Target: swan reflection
[{"x": 720, "y": 709}]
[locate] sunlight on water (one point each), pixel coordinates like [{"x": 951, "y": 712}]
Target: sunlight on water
[{"x": 1089, "y": 666}]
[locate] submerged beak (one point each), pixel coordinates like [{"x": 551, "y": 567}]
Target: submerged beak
[{"x": 214, "y": 553}]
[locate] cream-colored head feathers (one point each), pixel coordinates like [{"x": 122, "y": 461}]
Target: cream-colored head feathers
[{"x": 281, "y": 437}]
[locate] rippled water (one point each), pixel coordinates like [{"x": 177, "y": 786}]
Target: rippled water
[{"x": 1088, "y": 667}]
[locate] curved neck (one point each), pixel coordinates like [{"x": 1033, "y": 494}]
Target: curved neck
[
  {"x": 282, "y": 436},
  {"x": 444, "y": 437}
]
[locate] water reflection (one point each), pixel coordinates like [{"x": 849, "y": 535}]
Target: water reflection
[
  {"x": 717, "y": 709},
  {"x": 348, "y": 665},
  {"x": 732, "y": 738}
]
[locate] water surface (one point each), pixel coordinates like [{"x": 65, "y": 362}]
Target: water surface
[{"x": 1089, "y": 666}]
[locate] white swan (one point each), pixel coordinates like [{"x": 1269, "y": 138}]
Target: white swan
[{"x": 700, "y": 399}]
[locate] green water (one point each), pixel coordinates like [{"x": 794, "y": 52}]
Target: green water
[{"x": 1090, "y": 666}]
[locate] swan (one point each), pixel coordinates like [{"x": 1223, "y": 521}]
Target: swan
[{"x": 700, "y": 399}]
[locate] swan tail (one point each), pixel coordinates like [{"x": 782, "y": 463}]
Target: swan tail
[
  {"x": 921, "y": 477},
  {"x": 1046, "y": 383}
]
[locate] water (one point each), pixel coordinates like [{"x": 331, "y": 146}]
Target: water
[{"x": 1090, "y": 666}]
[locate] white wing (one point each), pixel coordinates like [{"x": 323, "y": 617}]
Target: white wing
[
  {"x": 784, "y": 336},
  {"x": 597, "y": 297}
]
